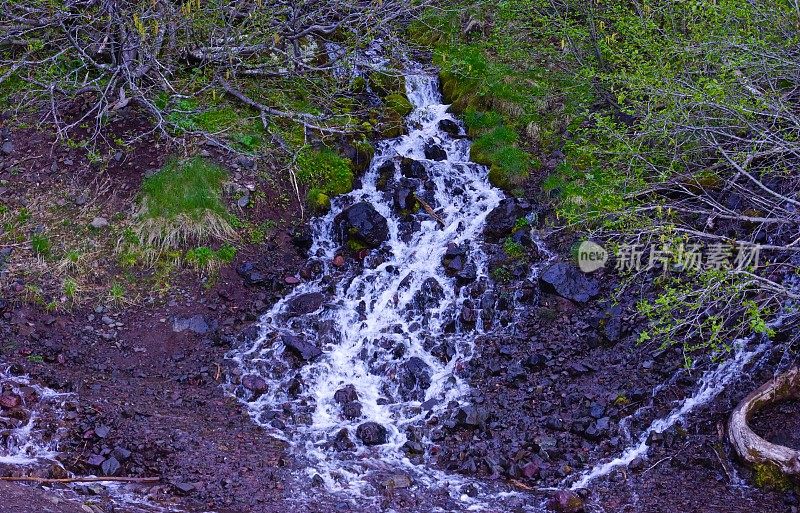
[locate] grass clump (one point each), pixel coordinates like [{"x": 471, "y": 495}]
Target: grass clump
[{"x": 183, "y": 202}]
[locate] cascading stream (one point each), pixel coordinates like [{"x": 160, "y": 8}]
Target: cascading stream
[{"x": 382, "y": 330}]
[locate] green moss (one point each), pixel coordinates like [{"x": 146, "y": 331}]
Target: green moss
[
  {"x": 326, "y": 173},
  {"x": 399, "y": 104},
  {"x": 769, "y": 476},
  {"x": 318, "y": 201},
  {"x": 190, "y": 187}
]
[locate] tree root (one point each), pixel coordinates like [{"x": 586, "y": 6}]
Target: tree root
[{"x": 750, "y": 447}]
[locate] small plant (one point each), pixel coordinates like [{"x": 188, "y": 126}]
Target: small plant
[
  {"x": 116, "y": 294},
  {"x": 36, "y": 358},
  {"x": 514, "y": 250},
  {"x": 226, "y": 253},
  {"x": 40, "y": 244},
  {"x": 70, "y": 288},
  {"x": 202, "y": 258}
]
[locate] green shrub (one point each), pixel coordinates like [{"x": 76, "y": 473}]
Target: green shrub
[{"x": 326, "y": 173}]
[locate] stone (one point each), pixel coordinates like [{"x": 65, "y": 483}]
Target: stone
[
  {"x": 110, "y": 467},
  {"x": 566, "y": 501},
  {"x": 429, "y": 295},
  {"x": 196, "y": 324},
  {"x": 361, "y": 224},
  {"x": 414, "y": 378},
  {"x": 10, "y": 401},
  {"x": 569, "y": 282},
  {"x": 352, "y": 410},
  {"x": 346, "y": 395},
  {"x": 99, "y": 222},
  {"x": 449, "y": 126},
  {"x": 411, "y": 168},
  {"x": 305, "y": 303},
  {"x": 301, "y": 347},
  {"x": 471, "y": 416},
  {"x": 371, "y": 433},
  {"x": 251, "y": 275},
  {"x": 255, "y": 384},
  {"x": 397, "y": 481},
  {"x": 434, "y": 152},
  {"x": 500, "y": 222},
  {"x": 7, "y": 148}
]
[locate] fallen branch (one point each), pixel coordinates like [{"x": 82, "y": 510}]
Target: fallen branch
[
  {"x": 750, "y": 447},
  {"x": 84, "y": 479},
  {"x": 430, "y": 210}
]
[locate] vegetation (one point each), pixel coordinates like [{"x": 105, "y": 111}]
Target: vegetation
[{"x": 183, "y": 203}]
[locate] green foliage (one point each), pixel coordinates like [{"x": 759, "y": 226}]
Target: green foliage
[
  {"x": 514, "y": 250},
  {"x": 40, "y": 243}
]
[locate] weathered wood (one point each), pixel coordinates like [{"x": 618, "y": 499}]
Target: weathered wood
[
  {"x": 425, "y": 206},
  {"x": 750, "y": 447}
]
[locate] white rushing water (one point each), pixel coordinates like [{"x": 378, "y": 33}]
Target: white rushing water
[{"x": 370, "y": 326}]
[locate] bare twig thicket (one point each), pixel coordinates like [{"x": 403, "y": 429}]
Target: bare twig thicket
[{"x": 104, "y": 55}]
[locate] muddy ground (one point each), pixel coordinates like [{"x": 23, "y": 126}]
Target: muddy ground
[{"x": 147, "y": 371}]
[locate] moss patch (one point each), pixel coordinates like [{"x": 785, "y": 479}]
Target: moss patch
[{"x": 326, "y": 173}]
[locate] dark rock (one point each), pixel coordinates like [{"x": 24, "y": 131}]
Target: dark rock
[
  {"x": 301, "y": 347},
  {"x": 245, "y": 162},
  {"x": 411, "y": 168},
  {"x": 7, "y": 148},
  {"x": 434, "y": 152},
  {"x": 501, "y": 221},
  {"x": 195, "y": 324},
  {"x": 566, "y": 501},
  {"x": 414, "y": 378},
  {"x": 361, "y": 223},
  {"x": 102, "y": 431},
  {"x": 10, "y": 401},
  {"x": 456, "y": 263},
  {"x": 342, "y": 442},
  {"x": 346, "y": 395},
  {"x": 305, "y": 303},
  {"x": 385, "y": 175},
  {"x": 110, "y": 467},
  {"x": 449, "y": 126},
  {"x": 95, "y": 460},
  {"x": 302, "y": 239},
  {"x": 255, "y": 384},
  {"x": 569, "y": 282},
  {"x": 121, "y": 453},
  {"x": 251, "y": 275},
  {"x": 471, "y": 416},
  {"x": 372, "y": 433},
  {"x": 404, "y": 199}
]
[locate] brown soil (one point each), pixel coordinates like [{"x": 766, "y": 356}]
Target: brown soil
[{"x": 779, "y": 423}]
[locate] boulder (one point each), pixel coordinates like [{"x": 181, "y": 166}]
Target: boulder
[
  {"x": 385, "y": 175},
  {"x": 411, "y": 168},
  {"x": 449, "y": 126},
  {"x": 457, "y": 264},
  {"x": 404, "y": 199},
  {"x": 362, "y": 224},
  {"x": 255, "y": 384},
  {"x": 566, "y": 501},
  {"x": 428, "y": 296},
  {"x": 501, "y": 221},
  {"x": 301, "y": 347},
  {"x": 434, "y": 152},
  {"x": 305, "y": 303},
  {"x": 372, "y": 433},
  {"x": 569, "y": 282},
  {"x": 346, "y": 395}
]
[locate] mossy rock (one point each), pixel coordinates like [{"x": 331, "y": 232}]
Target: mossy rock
[
  {"x": 768, "y": 476},
  {"x": 318, "y": 201},
  {"x": 399, "y": 104},
  {"x": 393, "y": 125}
]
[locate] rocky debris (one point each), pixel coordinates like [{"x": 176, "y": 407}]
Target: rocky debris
[
  {"x": 342, "y": 441},
  {"x": 346, "y": 395},
  {"x": 99, "y": 222},
  {"x": 411, "y": 168},
  {"x": 301, "y": 347},
  {"x": 196, "y": 324},
  {"x": 251, "y": 275},
  {"x": 255, "y": 384},
  {"x": 361, "y": 224},
  {"x": 456, "y": 263},
  {"x": 566, "y": 501},
  {"x": 569, "y": 282},
  {"x": 449, "y": 126},
  {"x": 305, "y": 303},
  {"x": 404, "y": 199},
  {"x": 7, "y": 148},
  {"x": 470, "y": 416},
  {"x": 434, "y": 152},
  {"x": 302, "y": 239},
  {"x": 9, "y": 401},
  {"x": 5, "y": 257},
  {"x": 110, "y": 467},
  {"x": 397, "y": 481},
  {"x": 372, "y": 433},
  {"x": 500, "y": 222},
  {"x": 414, "y": 378}
]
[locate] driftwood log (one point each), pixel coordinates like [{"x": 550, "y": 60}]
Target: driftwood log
[{"x": 750, "y": 447}]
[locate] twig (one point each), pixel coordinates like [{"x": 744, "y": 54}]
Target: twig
[{"x": 430, "y": 210}]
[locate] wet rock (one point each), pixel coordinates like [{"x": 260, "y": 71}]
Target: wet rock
[
  {"x": 434, "y": 152},
  {"x": 411, "y": 168},
  {"x": 346, "y": 395},
  {"x": 195, "y": 324},
  {"x": 449, "y": 126},
  {"x": 255, "y": 384},
  {"x": 342, "y": 442},
  {"x": 501, "y": 221},
  {"x": 385, "y": 175},
  {"x": 361, "y": 224},
  {"x": 305, "y": 303},
  {"x": 121, "y": 453},
  {"x": 471, "y": 416},
  {"x": 569, "y": 282},
  {"x": 456, "y": 263},
  {"x": 415, "y": 378},
  {"x": 7, "y": 148},
  {"x": 429, "y": 295},
  {"x": 404, "y": 199},
  {"x": 302, "y": 239},
  {"x": 372, "y": 433},
  {"x": 301, "y": 347},
  {"x": 351, "y": 410},
  {"x": 566, "y": 501}
]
